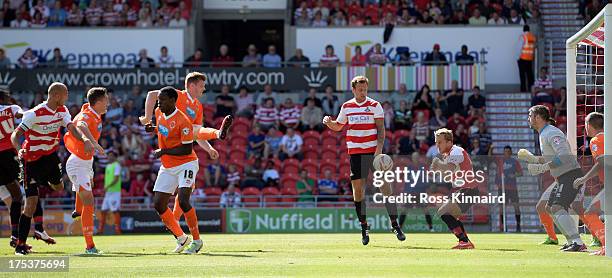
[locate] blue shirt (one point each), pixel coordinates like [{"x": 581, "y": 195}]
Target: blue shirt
[
  {"x": 327, "y": 185},
  {"x": 272, "y": 61},
  {"x": 255, "y": 139},
  {"x": 57, "y": 17}
]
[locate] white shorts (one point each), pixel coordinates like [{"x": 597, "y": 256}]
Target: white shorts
[
  {"x": 4, "y": 193},
  {"x": 183, "y": 175},
  {"x": 80, "y": 172},
  {"x": 112, "y": 201}
]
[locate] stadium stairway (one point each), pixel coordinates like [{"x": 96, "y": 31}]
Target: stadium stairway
[
  {"x": 560, "y": 20},
  {"x": 507, "y": 124}
]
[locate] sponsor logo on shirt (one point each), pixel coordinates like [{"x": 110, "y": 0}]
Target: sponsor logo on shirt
[
  {"x": 190, "y": 112},
  {"x": 360, "y": 119},
  {"x": 163, "y": 130}
]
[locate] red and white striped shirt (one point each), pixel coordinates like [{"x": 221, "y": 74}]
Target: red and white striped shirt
[
  {"x": 460, "y": 157},
  {"x": 7, "y": 125},
  {"x": 266, "y": 115},
  {"x": 361, "y": 135},
  {"x": 42, "y": 130},
  {"x": 290, "y": 115}
]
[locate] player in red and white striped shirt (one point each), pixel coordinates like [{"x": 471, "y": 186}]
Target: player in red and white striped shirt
[
  {"x": 455, "y": 159},
  {"x": 41, "y": 127},
  {"x": 365, "y": 138}
]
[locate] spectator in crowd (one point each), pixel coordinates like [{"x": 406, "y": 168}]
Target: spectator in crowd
[
  {"x": 93, "y": 14},
  {"x": 455, "y": 121},
  {"x": 137, "y": 97},
  {"x": 272, "y": 145},
  {"x": 421, "y": 127},
  {"x": 129, "y": 110},
  {"x": 319, "y": 7},
  {"x": 425, "y": 18},
  {"x": 464, "y": 58},
  {"x": 403, "y": 57},
  {"x": 454, "y": 100},
  {"x": 423, "y": 100},
  {"x": 58, "y": 60},
  {"x": 435, "y": 57},
  {"x": 38, "y": 21},
  {"x": 318, "y": 20},
  {"x": 214, "y": 174},
  {"x": 303, "y": 20},
  {"x": 271, "y": 177},
  {"x": 224, "y": 59},
  {"x": 225, "y": 103},
  {"x": 291, "y": 146},
  {"x": 115, "y": 112},
  {"x": 75, "y": 16},
  {"x": 312, "y": 94},
  {"x": 312, "y": 117},
  {"x": 271, "y": 60},
  {"x": 496, "y": 19},
  {"x": 299, "y": 60},
  {"x": 303, "y": 9},
  {"x": 359, "y": 60},
  {"x": 543, "y": 83},
  {"x": 476, "y": 101},
  {"x": 459, "y": 18},
  {"x": 145, "y": 19},
  {"x": 230, "y": 198},
  {"x": 8, "y": 14},
  {"x": 196, "y": 60},
  {"x": 57, "y": 15},
  {"x": 5, "y": 62},
  {"x": 590, "y": 11},
  {"x": 403, "y": 116},
  {"x": 40, "y": 7},
  {"x": 165, "y": 60},
  {"x": 177, "y": 20},
  {"x": 437, "y": 121},
  {"x": 266, "y": 116},
  {"x": 144, "y": 61},
  {"x": 407, "y": 145},
  {"x": 266, "y": 94},
  {"x": 233, "y": 175},
  {"x": 131, "y": 14},
  {"x": 515, "y": 18},
  {"x": 483, "y": 136},
  {"x": 377, "y": 57},
  {"x": 28, "y": 60},
  {"x": 477, "y": 18},
  {"x": 461, "y": 137},
  {"x": 253, "y": 175},
  {"x": 20, "y": 22},
  {"x": 137, "y": 186},
  {"x": 304, "y": 187},
  {"x": 355, "y": 21},
  {"x": 330, "y": 103},
  {"x": 110, "y": 17},
  {"x": 389, "y": 115},
  {"x": 329, "y": 59},
  {"x": 339, "y": 19},
  {"x": 399, "y": 95},
  {"x": 244, "y": 102},
  {"x": 560, "y": 104},
  {"x": 289, "y": 115},
  {"x": 327, "y": 186},
  {"x": 252, "y": 59},
  {"x": 389, "y": 19}
]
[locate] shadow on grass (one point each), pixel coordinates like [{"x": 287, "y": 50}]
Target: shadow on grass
[
  {"x": 410, "y": 247},
  {"x": 245, "y": 251},
  {"x": 226, "y": 255}
]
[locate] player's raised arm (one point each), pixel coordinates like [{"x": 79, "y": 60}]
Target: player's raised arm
[{"x": 149, "y": 105}]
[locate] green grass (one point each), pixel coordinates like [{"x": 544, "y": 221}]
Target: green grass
[{"x": 323, "y": 255}]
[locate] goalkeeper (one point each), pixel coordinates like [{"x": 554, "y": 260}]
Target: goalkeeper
[{"x": 563, "y": 166}]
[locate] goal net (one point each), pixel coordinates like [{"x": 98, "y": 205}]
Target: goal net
[{"x": 589, "y": 89}]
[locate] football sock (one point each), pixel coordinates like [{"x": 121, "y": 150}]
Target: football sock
[
  {"x": 87, "y": 225},
  {"x": 192, "y": 223},
  {"x": 360, "y": 209},
  {"x": 168, "y": 218},
  {"x": 548, "y": 224}
]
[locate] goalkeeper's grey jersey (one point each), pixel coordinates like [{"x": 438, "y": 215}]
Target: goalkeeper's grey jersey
[{"x": 556, "y": 149}]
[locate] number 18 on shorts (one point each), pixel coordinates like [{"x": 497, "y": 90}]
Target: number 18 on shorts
[{"x": 183, "y": 175}]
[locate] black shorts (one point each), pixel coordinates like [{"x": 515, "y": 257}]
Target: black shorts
[
  {"x": 361, "y": 165},
  {"x": 466, "y": 191},
  {"x": 564, "y": 193},
  {"x": 9, "y": 167},
  {"x": 42, "y": 172},
  {"x": 511, "y": 195}
]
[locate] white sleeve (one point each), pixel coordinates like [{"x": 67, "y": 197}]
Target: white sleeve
[
  {"x": 379, "y": 113},
  {"x": 342, "y": 116},
  {"x": 67, "y": 118},
  {"x": 284, "y": 140},
  {"x": 16, "y": 109},
  {"x": 299, "y": 141},
  {"x": 455, "y": 156},
  {"x": 28, "y": 120},
  {"x": 118, "y": 170}
]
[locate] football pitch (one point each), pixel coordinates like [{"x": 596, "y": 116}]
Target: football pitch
[{"x": 320, "y": 255}]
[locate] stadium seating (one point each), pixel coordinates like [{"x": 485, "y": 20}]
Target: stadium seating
[
  {"x": 251, "y": 197},
  {"x": 271, "y": 195},
  {"x": 213, "y": 194}
]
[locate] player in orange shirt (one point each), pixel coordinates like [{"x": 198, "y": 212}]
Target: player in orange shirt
[
  {"x": 594, "y": 123},
  {"x": 188, "y": 103},
  {"x": 179, "y": 168},
  {"x": 79, "y": 165}
]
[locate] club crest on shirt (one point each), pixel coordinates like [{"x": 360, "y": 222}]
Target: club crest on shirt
[
  {"x": 190, "y": 112},
  {"x": 367, "y": 109},
  {"x": 99, "y": 126},
  {"x": 557, "y": 140},
  {"x": 594, "y": 147},
  {"x": 163, "y": 130},
  {"x": 186, "y": 131},
  {"x": 172, "y": 124}
]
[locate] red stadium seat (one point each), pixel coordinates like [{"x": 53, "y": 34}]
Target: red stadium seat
[
  {"x": 237, "y": 154},
  {"x": 251, "y": 196},
  {"x": 310, "y": 165},
  {"x": 289, "y": 180},
  {"x": 328, "y": 133},
  {"x": 311, "y": 154},
  {"x": 213, "y": 194},
  {"x": 311, "y": 133},
  {"x": 332, "y": 141},
  {"x": 272, "y": 195},
  {"x": 288, "y": 194},
  {"x": 331, "y": 164},
  {"x": 328, "y": 155},
  {"x": 311, "y": 141},
  {"x": 291, "y": 162},
  {"x": 399, "y": 134}
]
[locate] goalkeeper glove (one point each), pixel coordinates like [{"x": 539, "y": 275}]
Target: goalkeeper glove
[
  {"x": 527, "y": 156},
  {"x": 536, "y": 169}
]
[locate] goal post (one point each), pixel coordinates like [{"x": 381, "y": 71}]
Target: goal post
[{"x": 589, "y": 76}]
